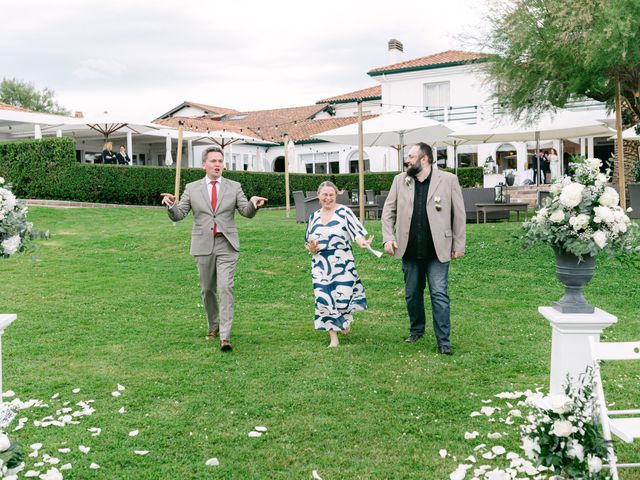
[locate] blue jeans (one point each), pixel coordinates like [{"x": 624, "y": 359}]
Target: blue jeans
[{"x": 416, "y": 274}]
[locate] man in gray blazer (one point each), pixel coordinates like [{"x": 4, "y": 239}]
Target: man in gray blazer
[
  {"x": 423, "y": 223},
  {"x": 214, "y": 238}
]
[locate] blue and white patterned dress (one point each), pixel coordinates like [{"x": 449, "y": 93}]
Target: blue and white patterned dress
[{"x": 336, "y": 284}]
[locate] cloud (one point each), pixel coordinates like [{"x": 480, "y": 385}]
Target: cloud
[
  {"x": 144, "y": 57},
  {"x": 95, "y": 68}
]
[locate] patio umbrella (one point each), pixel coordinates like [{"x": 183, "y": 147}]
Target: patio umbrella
[
  {"x": 565, "y": 124},
  {"x": 293, "y": 161},
  {"x": 106, "y": 125},
  {"x": 390, "y": 130}
]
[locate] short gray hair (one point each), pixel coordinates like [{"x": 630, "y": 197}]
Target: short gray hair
[
  {"x": 327, "y": 184},
  {"x": 206, "y": 153}
]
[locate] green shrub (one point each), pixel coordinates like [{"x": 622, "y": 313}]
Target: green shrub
[{"x": 47, "y": 169}]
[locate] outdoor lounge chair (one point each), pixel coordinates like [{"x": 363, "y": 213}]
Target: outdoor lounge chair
[
  {"x": 471, "y": 196},
  {"x": 298, "y": 200},
  {"x": 626, "y": 424}
]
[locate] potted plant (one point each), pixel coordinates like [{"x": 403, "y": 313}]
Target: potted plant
[
  {"x": 489, "y": 165},
  {"x": 510, "y": 177},
  {"x": 581, "y": 218}
]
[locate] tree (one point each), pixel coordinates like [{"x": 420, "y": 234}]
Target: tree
[
  {"x": 550, "y": 52},
  {"x": 23, "y": 94}
]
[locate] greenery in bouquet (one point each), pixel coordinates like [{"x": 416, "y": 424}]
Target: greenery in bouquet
[
  {"x": 16, "y": 233},
  {"x": 10, "y": 457},
  {"x": 583, "y": 216},
  {"x": 562, "y": 432}
]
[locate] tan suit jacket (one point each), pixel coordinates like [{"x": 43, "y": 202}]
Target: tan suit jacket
[
  {"x": 196, "y": 198},
  {"x": 448, "y": 224}
]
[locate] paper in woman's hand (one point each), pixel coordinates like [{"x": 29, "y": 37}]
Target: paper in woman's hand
[{"x": 374, "y": 252}]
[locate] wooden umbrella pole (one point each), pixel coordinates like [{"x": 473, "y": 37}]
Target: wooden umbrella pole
[
  {"x": 361, "y": 162},
  {"x": 286, "y": 174},
  {"x": 179, "y": 160},
  {"x": 620, "y": 145}
]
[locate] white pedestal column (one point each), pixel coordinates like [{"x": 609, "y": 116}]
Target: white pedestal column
[
  {"x": 6, "y": 319},
  {"x": 570, "y": 352}
]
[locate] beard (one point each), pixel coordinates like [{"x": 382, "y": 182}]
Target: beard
[{"x": 414, "y": 170}]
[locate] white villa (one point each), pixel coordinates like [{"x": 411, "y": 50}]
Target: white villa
[{"x": 447, "y": 86}]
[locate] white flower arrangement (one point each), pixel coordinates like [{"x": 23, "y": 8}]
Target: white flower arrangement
[
  {"x": 408, "y": 181},
  {"x": 583, "y": 216},
  {"x": 16, "y": 233},
  {"x": 559, "y": 437},
  {"x": 438, "y": 204}
]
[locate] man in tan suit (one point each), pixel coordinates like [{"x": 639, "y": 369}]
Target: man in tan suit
[
  {"x": 423, "y": 223},
  {"x": 214, "y": 238}
]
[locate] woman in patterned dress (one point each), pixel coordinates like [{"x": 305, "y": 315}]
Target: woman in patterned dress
[{"x": 336, "y": 285}]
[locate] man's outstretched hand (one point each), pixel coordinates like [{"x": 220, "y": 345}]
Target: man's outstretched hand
[
  {"x": 168, "y": 199},
  {"x": 258, "y": 201}
]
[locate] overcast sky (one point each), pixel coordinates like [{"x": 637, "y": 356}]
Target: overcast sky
[{"x": 140, "y": 58}]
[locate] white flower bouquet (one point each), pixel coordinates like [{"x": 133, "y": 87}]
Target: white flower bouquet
[
  {"x": 561, "y": 432},
  {"x": 16, "y": 233},
  {"x": 583, "y": 216}
]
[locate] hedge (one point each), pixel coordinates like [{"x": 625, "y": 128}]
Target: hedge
[{"x": 47, "y": 169}]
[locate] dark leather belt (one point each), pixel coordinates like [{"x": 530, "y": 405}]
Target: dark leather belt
[{"x": 216, "y": 235}]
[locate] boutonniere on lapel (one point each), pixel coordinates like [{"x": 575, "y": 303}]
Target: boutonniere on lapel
[
  {"x": 408, "y": 181},
  {"x": 436, "y": 199}
]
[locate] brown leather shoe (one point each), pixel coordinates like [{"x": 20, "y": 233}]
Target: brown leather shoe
[
  {"x": 225, "y": 346},
  {"x": 211, "y": 335}
]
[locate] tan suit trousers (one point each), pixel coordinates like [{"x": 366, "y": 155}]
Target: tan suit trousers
[{"x": 216, "y": 272}]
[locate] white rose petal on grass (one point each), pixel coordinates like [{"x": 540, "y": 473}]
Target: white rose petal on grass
[
  {"x": 95, "y": 431},
  {"x": 66, "y": 466},
  {"x": 488, "y": 455},
  {"x": 494, "y": 436},
  {"x": 36, "y": 446},
  {"x": 55, "y": 395},
  {"x": 470, "y": 435},
  {"x": 120, "y": 387},
  {"x": 115, "y": 394},
  {"x": 255, "y": 434},
  {"x": 499, "y": 450},
  {"x": 9, "y": 394},
  {"x": 121, "y": 411},
  {"x": 133, "y": 433},
  {"x": 475, "y": 414},
  {"x": 315, "y": 475},
  {"x": 31, "y": 473},
  {"x": 64, "y": 450},
  {"x": 84, "y": 449},
  {"x": 260, "y": 429},
  {"x": 442, "y": 453},
  {"x": 141, "y": 452},
  {"x": 76, "y": 390},
  {"x": 94, "y": 466},
  {"x": 488, "y": 411},
  {"x": 212, "y": 462},
  {"x": 52, "y": 474}
]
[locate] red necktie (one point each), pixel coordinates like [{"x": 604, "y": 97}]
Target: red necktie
[{"x": 214, "y": 200}]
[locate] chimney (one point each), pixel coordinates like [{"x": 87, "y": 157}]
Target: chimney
[
  {"x": 395, "y": 51},
  {"x": 78, "y": 115}
]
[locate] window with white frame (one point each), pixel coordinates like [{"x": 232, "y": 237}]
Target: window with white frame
[
  {"x": 437, "y": 94},
  {"x": 322, "y": 162}
]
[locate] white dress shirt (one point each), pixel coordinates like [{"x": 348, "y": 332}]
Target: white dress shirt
[{"x": 210, "y": 187}]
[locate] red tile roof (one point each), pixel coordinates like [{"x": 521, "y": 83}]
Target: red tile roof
[
  {"x": 13, "y": 108},
  {"x": 442, "y": 59},
  {"x": 211, "y": 108},
  {"x": 370, "y": 93},
  {"x": 269, "y": 125}
]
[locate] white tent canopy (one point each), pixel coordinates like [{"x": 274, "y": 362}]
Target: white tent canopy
[{"x": 20, "y": 124}]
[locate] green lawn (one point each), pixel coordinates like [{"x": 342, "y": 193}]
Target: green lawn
[{"x": 113, "y": 297}]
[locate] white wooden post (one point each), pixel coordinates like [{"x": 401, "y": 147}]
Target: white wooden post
[
  {"x": 130, "y": 146},
  {"x": 6, "y": 319},
  {"x": 570, "y": 350}
]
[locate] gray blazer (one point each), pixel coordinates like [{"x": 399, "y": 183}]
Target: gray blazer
[
  {"x": 448, "y": 225},
  {"x": 196, "y": 199}
]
